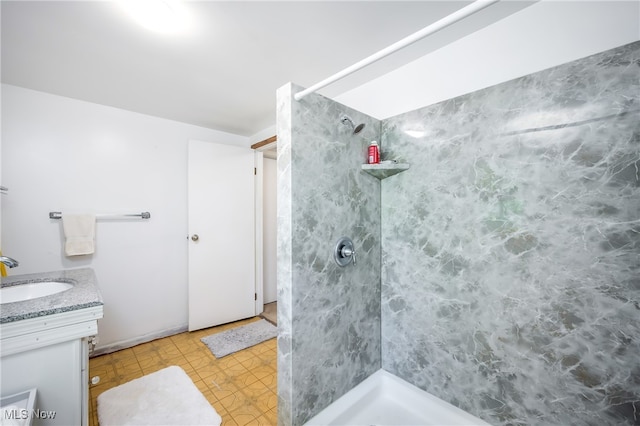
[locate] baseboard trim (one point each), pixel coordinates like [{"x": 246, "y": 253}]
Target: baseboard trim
[{"x": 103, "y": 350}]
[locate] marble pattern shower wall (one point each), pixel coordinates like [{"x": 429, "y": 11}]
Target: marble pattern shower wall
[
  {"x": 511, "y": 247},
  {"x": 329, "y": 316}
]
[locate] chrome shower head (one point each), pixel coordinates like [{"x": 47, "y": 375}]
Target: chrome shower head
[{"x": 345, "y": 119}]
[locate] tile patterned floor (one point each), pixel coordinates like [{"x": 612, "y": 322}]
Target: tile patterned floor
[{"x": 241, "y": 386}]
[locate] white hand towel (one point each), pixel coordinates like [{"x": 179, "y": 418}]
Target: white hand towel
[{"x": 79, "y": 233}]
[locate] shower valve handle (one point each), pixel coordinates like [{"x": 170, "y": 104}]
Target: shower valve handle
[
  {"x": 349, "y": 252},
  {"x": 344, "y": 253}
]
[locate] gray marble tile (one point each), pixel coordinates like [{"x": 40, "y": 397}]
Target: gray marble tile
[
  {"x": 283, "y": 248},
  {"x": 511, "y": 247},
  {"x": 330, "y": 317}
]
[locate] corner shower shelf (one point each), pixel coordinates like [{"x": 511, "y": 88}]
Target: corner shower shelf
[{"x": 383, "y": 171}]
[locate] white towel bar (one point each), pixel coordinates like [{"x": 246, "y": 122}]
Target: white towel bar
[{"x": 143, "y": 215}]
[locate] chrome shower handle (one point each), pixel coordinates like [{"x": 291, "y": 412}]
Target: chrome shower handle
[
  {"x": 344, "y": 252},
  {"x": 349, "y": 252}
]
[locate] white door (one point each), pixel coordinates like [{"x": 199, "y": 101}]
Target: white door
[{"x": 221, "y": 234}]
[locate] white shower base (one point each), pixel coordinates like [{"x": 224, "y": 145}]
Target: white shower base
[{"x": 384, "y": 399}]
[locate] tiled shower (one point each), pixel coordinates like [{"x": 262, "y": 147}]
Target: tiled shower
[
  {"x": 500, "y": 273},
  {"x": 328, "y": 316}
]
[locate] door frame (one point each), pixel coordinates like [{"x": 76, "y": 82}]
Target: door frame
[{"x": 259, "y": 147}]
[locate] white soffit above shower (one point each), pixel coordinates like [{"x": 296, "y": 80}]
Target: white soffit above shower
[
  {"x": 224, "y": 71},
  {"x": 541, "y": 36}
]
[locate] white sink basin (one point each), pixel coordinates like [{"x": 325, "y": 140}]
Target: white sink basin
[{"x": 28, "y": 291}]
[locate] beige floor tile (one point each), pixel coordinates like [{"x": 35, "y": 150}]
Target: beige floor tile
[
  {"x": 104, "y": 371},
  {"x": 228, "y": 421},
  {"x": 255, "y": 390},
  {"x": 219, "y": 408},
  {"x": 157, "y": 368},
  {"x": 226, "y": 362},
  {"x": 207, "y": 371},
  {"x": 100, "y": 360},
  {"x": 245, "y": 379},
  {"x": 268, "y": 357},
  {"x": 125, "y": 356},
  {"x": 170, "y": 353},
  {"x": 149, "y": 359},
  {"x": 243, "y": 356},
  {"x": 271, "y": 381},
  {"x": 234, "y": 401},
  {"x": 272, "y": 416},
  {"x": 202, "y": 386},
  {"x": 235, "y": 370},
  {"x": 267, "y": 401},
  {"x": 124, "y": 362},
  {"x": 121, "y": 369},
  {"x": 144, "y": 348},
  {"x": 96, "y": 390},
  {"x": 243, "y": 418},
  {"x": 221, "y": 378},
  {"x": 263, "y": 371},
  {"x": 247, "y": 413},
  {"x": 222, "y": 392},
  {"x": 252, "y": 362},
  {"x": 187, "y": 347},
  {"x": 261, "y": 421},
  {"x": 185, "y": 365},
  {"x": 200, "y": 362},
  {"x": 259, "y": 348},
  {"x": 241, "y": 386},
  {"x": 132, "y": 375}
]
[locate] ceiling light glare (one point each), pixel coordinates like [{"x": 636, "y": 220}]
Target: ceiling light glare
[
  {"x": 415, "y": 133},
  {"x": 162, "y": 16}
]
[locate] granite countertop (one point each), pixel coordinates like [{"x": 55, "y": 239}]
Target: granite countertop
[{"x": 84, "y": 294}]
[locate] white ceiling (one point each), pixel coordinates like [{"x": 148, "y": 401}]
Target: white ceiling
[{"x": 224, "y": 73}]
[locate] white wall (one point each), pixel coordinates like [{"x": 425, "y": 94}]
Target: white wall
[
  {"x": 541, "y": 36},
  {"x": 263, "y": 134},
  {"x": 61, "y": 154}
]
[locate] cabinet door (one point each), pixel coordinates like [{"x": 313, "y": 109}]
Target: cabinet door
[{"x": 56, "y": 372}]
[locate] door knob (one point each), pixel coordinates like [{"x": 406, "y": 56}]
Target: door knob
[{"x": 195, "y": 237}]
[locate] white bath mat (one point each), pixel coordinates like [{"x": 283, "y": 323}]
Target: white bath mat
[
  {"x": 245, "y": 336},
  {"x": 166, "y": 397}
]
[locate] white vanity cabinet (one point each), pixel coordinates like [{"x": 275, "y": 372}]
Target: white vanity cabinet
[
  {"x": 48, "y": 349},
  {"x": 54, "y": 359}
]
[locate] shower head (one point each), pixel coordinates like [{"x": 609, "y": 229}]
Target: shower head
[{"x": 345, "y": 119}]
